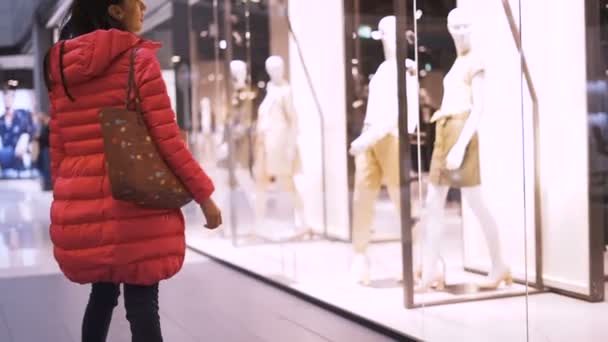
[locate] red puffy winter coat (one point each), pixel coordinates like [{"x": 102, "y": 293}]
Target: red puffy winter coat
[{"x": 97, "y": 238}]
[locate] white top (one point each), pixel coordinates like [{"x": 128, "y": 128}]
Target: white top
[
  {"x": 383, "y": 103},
  {"x": 458, "y": 86},
  {"x": 277, "y": 108}
]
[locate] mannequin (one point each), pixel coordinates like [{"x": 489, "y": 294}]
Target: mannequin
[
  {"x": 206, "y": 138},
  {"x": 240, "y": 122},
  {"x": 455, "y": 161},
  {"x": 277, "y": 156},
  {"x": 376, "y": 150}
]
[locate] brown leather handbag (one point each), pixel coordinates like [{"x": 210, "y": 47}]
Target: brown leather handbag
[{"x": 137, "y": 172}]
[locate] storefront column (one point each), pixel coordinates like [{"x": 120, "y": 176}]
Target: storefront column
[
  {"x": 180, "y": 24},
  {"x": 42, "y": 40},
  {"x": 279, "y": 31}
]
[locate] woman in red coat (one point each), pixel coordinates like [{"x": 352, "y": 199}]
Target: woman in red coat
[{"x": 97, "y": 239}]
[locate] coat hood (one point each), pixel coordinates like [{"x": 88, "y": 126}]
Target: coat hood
[{"x": 90, "y": 55}]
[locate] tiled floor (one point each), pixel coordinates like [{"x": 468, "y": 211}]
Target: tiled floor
[
  {"x": 208, "y": 302},
  {"x": 318, "y": 269},
  {"x": 205, "y": 302}
]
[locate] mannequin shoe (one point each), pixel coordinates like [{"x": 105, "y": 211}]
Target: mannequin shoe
[
  {"x": 437, "y": 282},
  {"x": 359, "y": 270},
  {"x": 497, "y": 276}
]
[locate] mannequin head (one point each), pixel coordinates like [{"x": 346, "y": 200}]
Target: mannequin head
[
  {"x": 460, "y": 26},
  {"x": 388, "y": 29},
  {"x": 275, "y": 67},
  {"x": 238, "y": 69}
]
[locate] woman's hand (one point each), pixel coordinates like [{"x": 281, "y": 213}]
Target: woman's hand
[{"x": 212, "y": 213}]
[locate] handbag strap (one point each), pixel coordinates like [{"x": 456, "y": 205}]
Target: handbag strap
[
  {"x": 132, "y": 86},
  {"x": 61, "y": 73}
]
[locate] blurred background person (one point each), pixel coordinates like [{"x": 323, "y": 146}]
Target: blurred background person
[{"x": 16, "y": 131}]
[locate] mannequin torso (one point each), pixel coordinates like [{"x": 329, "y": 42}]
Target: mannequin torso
[
  {"x": 458, "y": 86},
  {"x": 277, "y": 157},
  {"x": 277, "y": 126},
  {"x": 382, "y": 114}
]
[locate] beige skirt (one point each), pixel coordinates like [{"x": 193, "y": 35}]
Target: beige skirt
[
  {"x": 448, "y": 129},
  {"x": 269, "y": 162}
]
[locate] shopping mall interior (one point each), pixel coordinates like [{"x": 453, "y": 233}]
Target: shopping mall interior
[{"x": 387, "y": 170}]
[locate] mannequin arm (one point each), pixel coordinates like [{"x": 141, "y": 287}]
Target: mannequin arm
[
  {"x": 371, "y": 136},
  {"x": 292, "y": 119},
  {"x": 290, "y": 115},
  {"x": 456, "y": 154},
  {"x": 472, "y": 124},
  {"x": 378, "y": 130}
]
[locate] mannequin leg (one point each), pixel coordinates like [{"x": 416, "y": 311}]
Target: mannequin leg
[
  {"x": 261, "y": 187},
  {"x": 388, "y": 155},
  {"x": 368, "y": 179},
  {"x": 500, "y": 271},
  {"x": 387, "y": 152},
  {"x": 288, "y": 184},
  {"x": 262, "y": 181},
  {"x": 434, "y": 212},
  {"x": 244, "y": 179}
]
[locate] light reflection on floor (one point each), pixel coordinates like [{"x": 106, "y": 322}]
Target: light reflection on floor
[{"x": 25, "y": 246}]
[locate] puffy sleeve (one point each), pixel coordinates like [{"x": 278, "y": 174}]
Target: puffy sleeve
[{"x": 161, "y": 122}]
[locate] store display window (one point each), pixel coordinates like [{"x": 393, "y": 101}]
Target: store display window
[{"x": 404, "y": 161}]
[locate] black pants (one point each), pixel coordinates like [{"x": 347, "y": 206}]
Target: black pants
[{"x": 141, "y": 303}]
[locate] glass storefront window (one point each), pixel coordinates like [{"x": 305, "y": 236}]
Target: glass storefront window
[{"x": 435, "y": 168}]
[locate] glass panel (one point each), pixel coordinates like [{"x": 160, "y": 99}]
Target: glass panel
[
  {"x": 295, "y": 100},
  {"x": 313, "y": 138},
  {"x": 320, "y": 132},
  {"x": 212, "y": 113},
  {"x": 573, "y": 163},
  {"x": 475, "y": 238}
]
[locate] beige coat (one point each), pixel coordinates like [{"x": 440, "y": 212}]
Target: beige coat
[{"x": 276, "y": 134}]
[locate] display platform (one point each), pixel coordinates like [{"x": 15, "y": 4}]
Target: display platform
[{"x": 319, "y": 270}]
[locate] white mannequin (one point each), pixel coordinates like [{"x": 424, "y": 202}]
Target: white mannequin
[
  {"x": 206, "y": 119},
  {"x": 376, "y": 150},
  {"x": 277, "y": 145},
  {"x": 386, "y": 119},
  {"x": 206, "y": 138},
  {"x": 460, "y": 27},
  {"x": 238, "y": 71}
]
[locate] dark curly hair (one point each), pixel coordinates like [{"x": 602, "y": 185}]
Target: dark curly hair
[{"x": 86, "y": 16}]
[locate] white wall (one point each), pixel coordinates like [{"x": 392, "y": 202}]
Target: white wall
[
  {"x": 555, "y": 53},
  {"x": 319, "y": 26}
]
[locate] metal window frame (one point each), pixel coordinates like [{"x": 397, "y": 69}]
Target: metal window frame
[{"x": 402, "y": 12}]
